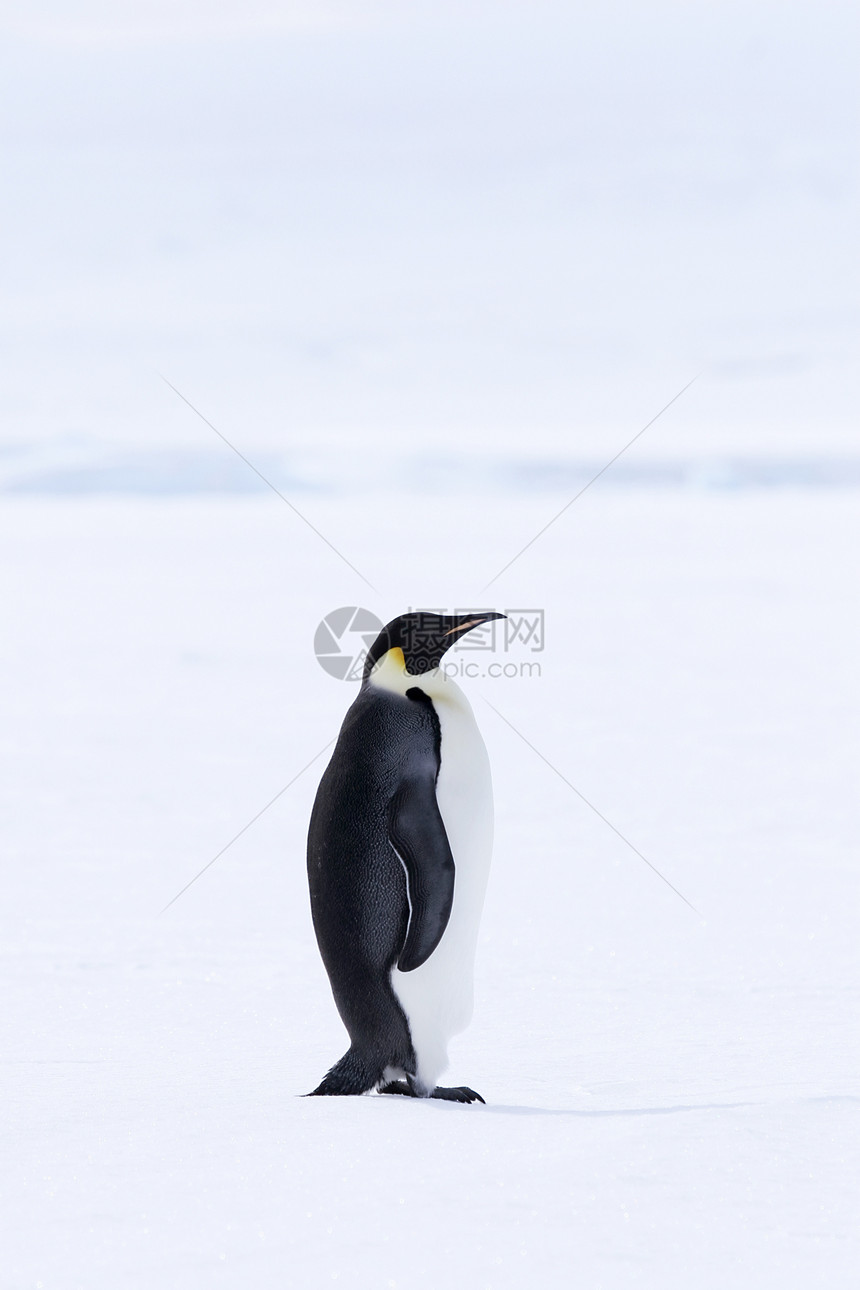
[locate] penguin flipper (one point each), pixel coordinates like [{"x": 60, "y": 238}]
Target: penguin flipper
[{"x": 417, "y": 834}]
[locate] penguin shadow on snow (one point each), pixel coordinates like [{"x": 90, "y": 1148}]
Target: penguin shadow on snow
[
  {"x": 489, "y": 1108},
  {"x": 615, "y": 1112}
]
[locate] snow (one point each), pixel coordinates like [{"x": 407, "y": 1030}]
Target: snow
[
  {"x": 672, "y": 1098},
  {"x": 429, "y": 267}
]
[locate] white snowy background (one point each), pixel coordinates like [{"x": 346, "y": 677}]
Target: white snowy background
[{"x": 429, "y": 268}]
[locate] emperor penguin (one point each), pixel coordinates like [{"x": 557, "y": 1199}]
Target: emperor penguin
[{"x": 398, "y": 857}]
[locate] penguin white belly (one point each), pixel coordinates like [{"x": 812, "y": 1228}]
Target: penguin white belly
[{"x": 437, "y": 997}]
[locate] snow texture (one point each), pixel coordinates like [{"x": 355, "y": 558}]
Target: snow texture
[{"x": 672, "y": 1098}]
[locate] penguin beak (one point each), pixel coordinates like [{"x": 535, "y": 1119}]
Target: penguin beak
[
  {"x": 472, "y": 621},
  {"x": 464, "y": 627}
]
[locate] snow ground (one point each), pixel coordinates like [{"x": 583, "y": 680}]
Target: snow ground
[{"x": 672, "y": 1099}]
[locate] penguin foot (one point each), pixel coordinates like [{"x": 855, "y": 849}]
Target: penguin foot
[
  {"x": 349, "y": 1077},
  {"x": 398, "y": 1086},
  {"x": 459, "y": 1094}
]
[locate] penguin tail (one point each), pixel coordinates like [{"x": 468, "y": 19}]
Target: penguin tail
[{"x": 350, "y": 1076}]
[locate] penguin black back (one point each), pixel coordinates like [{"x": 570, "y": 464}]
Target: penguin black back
[{"x": 359, "y": 901}]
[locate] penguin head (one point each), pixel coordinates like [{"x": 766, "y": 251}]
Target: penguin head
[{"x": 423, "y": 638}]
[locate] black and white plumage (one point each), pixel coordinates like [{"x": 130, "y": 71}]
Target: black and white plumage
[{"x": 398, "y": 856}]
